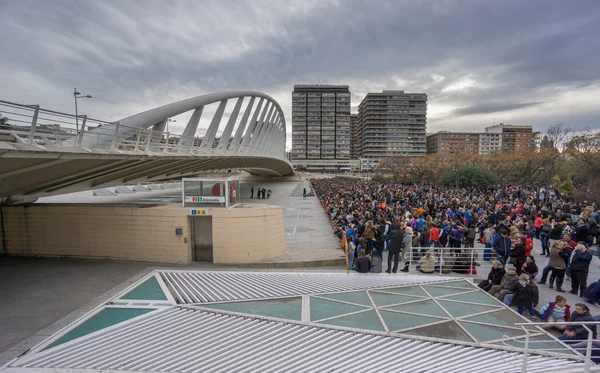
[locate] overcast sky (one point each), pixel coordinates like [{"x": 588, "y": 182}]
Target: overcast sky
[{"x": 480, "y": 62}]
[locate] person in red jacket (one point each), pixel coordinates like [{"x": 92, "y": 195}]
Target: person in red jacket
[
  {"x": 434, "y": 236},
  {"x": 537, "y": 224},
  {"x": 528, "y": 246}
]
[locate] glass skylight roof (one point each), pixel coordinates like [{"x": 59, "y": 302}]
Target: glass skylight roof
[{"x": 444, "y": 311}]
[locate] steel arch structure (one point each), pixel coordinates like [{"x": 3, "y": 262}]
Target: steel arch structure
[{"x": 50, "y": 154}]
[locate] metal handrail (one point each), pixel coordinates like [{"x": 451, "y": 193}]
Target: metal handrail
[
  {"x": 120, "y": 136},
  {"x": 589, "y": 340}
]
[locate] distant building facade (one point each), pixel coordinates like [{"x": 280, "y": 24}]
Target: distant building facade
[
  {"x": 497, "y": 138},
  {"x": 515, "y": 137},
  {"x": 354, "y": 141},
  {"x": 447, "y": 142},
  {"x": 320, "y": 126},
  {"x": 391, "y": 123}
]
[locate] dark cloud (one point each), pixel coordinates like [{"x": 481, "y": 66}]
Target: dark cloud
[
  {"x": 492, "y": 107},
  {"x": 481, "y": 61}
]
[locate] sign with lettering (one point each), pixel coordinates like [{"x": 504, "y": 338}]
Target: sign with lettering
[
  {"x": 195, "y": 212},
  {"x": 201, "y": 199}
]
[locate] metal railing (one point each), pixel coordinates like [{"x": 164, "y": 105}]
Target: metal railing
[
  {"x": 464, "y": 260},
  {"x": 583, "y": 346},
  {"x": 30, "y": 124}
]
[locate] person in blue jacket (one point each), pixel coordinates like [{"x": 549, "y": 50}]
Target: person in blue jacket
[{"x": 592, "y": 293}]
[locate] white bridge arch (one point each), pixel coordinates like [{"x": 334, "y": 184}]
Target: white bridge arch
[{"x": 56, "y": 154}]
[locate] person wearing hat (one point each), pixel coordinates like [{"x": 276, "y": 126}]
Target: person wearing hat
[{"x": 507, "y": 283}]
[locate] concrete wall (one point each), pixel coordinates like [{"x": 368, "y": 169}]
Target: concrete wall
[
  {"x": 141, "y": 234},
  {"x": 248, "y": 235}
]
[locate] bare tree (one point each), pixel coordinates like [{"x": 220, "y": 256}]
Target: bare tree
[{"x": 559, "y": 135}]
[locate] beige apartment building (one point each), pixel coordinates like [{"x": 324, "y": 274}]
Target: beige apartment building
[{"x": 391, "y": 123}]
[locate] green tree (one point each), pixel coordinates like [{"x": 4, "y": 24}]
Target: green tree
[{"x": 467, "y": 177}]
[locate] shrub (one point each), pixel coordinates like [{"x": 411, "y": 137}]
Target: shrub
[{"x": 469, "y": 176}]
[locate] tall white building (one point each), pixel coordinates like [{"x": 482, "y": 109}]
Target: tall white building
[{"x": 391, "y": 123}]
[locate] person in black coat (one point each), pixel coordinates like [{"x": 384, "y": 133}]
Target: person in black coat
[
  {"x": 578, "y": 332},
  {"x": 394, "y": 248},
  {"x": 580, "y": 265},
  {"x": 582, "y": 232},
  {"x": 518, "y": 254},
  {"x": 556, "y": 231},
  {"x": 494, "y": 277},
  {"x": 379, "y": 243},
  {"x": 363, "y": 264},
  {"x": 523, "y": 295}
]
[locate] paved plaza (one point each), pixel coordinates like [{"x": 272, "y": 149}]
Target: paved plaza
[{"x": 306, "y": 225}]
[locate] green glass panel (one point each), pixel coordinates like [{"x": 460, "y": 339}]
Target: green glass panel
[
  {"x": 462, "y": 309},
  {"x": 287, "y": 308},
  {"x": 503, "y": 317},
  {"x": 365, "y": 320},
  {"x": 396, "y": 321},
  {"x": 358, "y": 297},
  {"x": 382, "y": 299},
  {"x": 456, "y": 284},
  {"x": 408, "y": 290},
  {"x": 103, "y": 319},
  {"x": 487, "y": 333},
  {"x": 323, "y": 309},
  {"x": 427, "y": 307},
  {"x": 436, "y": 292},
  {"x": 448, "y": 330},
  {"x": 476, "y": 297},
  {"x": 148, "y": 290}
]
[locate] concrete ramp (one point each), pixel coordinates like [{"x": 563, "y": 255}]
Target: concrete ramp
[
  {"x": 123, "y": 190},
  {"x": 104, "y": 193},
  {"x": 141, "y": 188}
]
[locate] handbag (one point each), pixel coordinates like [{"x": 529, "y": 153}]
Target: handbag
[{"x": 472, "y": 270}]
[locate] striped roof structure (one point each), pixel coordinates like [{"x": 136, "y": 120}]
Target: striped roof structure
[{"x": 199, "y": 321}]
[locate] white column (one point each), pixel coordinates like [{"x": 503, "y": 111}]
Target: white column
[
  {"x": 250, "y": 138},
  {"x": 235, "y": 144},
  {"x": 261, "y": 129},
  {"x": 224, "y": 141},
  {"x": 211, "y": 133},
  {"x": 252, "y": 125},
  {"x": 270, "y": 137},
  {"x": 264, "y": 136},
  {"x": 186, "y": 141}
]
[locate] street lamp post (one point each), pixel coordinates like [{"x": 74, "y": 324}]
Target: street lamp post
[
  {"x": 170, "y": 120},
  {"x": 76, "y": 96}
]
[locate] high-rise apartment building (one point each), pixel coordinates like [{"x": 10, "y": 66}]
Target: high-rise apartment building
[
  {"x": 321, "y": 127},
  {"x": 391, "y": 123},
  {"x": 354, "y": 141},
  {"x": 497, "y": 138}
]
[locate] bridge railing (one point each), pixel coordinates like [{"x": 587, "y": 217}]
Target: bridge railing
[{"x": 30, "y": 124}]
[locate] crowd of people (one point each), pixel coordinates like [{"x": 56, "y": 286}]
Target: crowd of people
[
  {"x": 262, "y": 193},
  {"x": 414, "y": 221}
]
